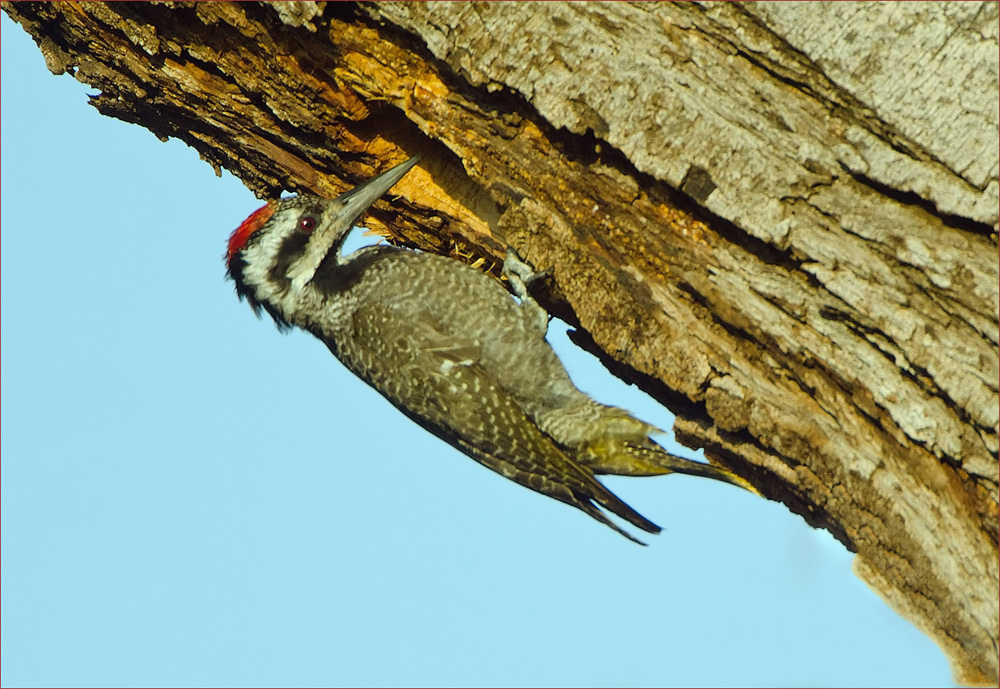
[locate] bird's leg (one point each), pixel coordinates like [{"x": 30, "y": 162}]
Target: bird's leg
[{"x": 519, "y": 274}]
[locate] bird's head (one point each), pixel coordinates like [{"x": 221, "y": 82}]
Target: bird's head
[{"x": 275, "y": 253}]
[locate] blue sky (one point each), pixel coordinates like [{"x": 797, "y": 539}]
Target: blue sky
[{"x": 191, "y": 498}]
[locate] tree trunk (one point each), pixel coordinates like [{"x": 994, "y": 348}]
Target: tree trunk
[{"x": 779, "y": 219}]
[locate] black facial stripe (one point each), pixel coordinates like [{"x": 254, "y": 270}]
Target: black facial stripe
[{"x": 291, "y": 249}]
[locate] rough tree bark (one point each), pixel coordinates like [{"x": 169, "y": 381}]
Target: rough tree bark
[{"x": 779, "y": 220}]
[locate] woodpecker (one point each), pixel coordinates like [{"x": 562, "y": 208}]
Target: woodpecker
[{"x": 449, "y": 347}]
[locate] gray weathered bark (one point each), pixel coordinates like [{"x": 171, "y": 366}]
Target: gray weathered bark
[{"x": 780, "y": 219}]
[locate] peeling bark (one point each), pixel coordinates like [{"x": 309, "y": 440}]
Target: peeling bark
[{"x": 780, "y": 220}]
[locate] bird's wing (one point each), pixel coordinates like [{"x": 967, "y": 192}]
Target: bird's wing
[{"x": 438, "y": 382}]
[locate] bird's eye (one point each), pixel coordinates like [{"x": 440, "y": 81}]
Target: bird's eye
[{"x": 307, "y": 223}]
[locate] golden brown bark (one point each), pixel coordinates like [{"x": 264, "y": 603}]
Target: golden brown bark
[{"x": 789, "y": 243}]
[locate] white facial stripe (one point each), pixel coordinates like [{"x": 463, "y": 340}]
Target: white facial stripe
[{"x": 331, "y": 229}]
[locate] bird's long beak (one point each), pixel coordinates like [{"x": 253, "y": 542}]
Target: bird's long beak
[
  {"x": 353, "y": 203},
  {"x": 339, "y": 217}
]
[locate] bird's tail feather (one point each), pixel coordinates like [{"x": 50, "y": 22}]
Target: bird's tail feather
[{"x": 621, "y": 445}]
